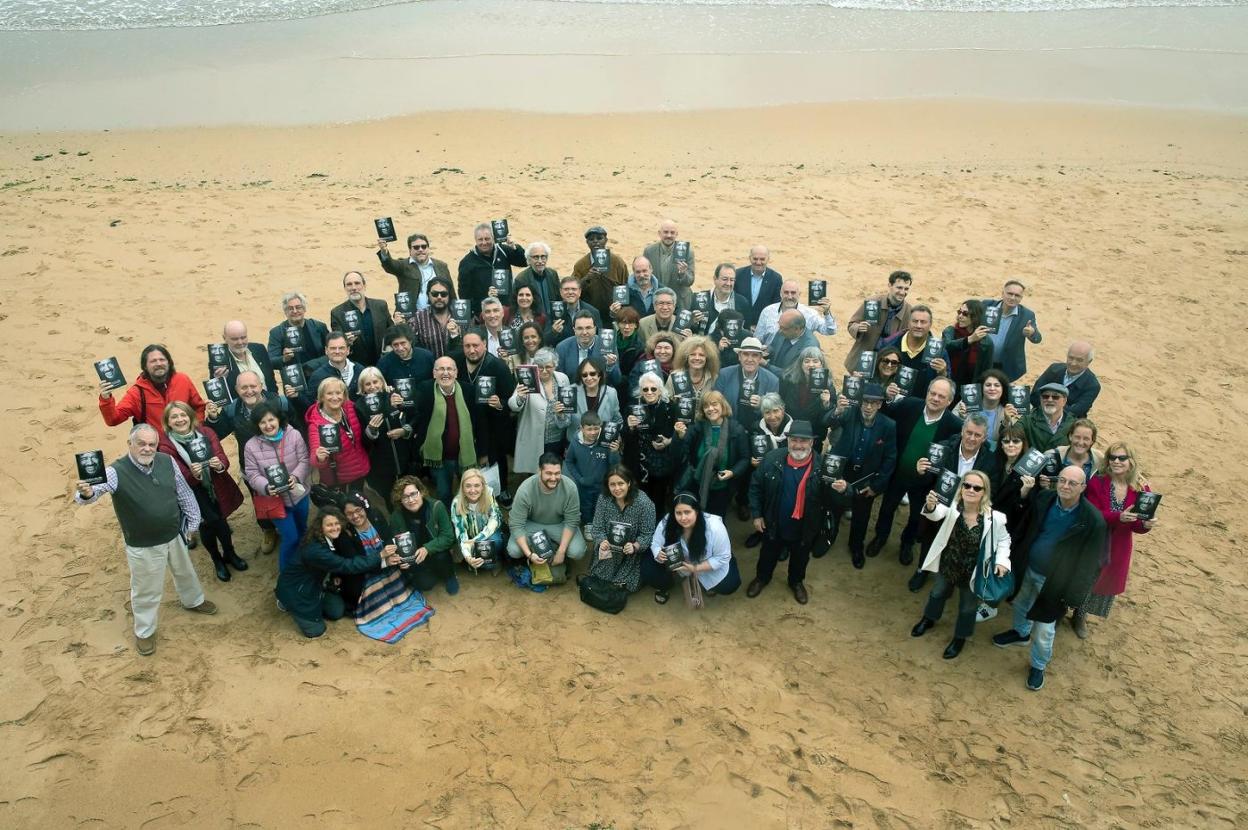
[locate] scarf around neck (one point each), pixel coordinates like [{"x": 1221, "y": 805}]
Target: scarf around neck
[{"x": 799, "y": 503}]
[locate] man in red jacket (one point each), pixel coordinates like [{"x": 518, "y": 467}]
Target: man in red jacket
[{"x": 157, "y": 385}]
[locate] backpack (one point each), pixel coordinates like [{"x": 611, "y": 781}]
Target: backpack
[{"x": 597, "y": 592}]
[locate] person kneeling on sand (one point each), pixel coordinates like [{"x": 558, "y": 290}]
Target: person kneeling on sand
[
  {"x": 158, "y": 515},
  {"x": 694, "y": 545},
  {"x": 549, "y": 502}
]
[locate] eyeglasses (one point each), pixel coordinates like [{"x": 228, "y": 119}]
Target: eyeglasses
[
  {"x": 962, "y": 312},
  {"x": 974, "y": 488},
  {"x": 1067, "y": 482},
  {"x": 1011, "y": 440},
  {"x": 439, "y": 293},
  {"x": 418, "y": 247},
  {"x": 1114, "y": 457},
  {"x": 890, "y": 361},
  {"x": 589, "y": 374},
  {"x": 1051, "y": 396},
  {"x": 411, "y": 496}
]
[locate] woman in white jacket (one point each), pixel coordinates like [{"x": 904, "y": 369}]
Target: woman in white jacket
[{"x": 971, "y": 533}]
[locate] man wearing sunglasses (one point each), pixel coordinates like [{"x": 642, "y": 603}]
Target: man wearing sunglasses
[
  {"x": 413, "y": 274},
  {"x": 433, "y": 326},
  {"x": 1059, "y": 556},
  {"x": 1048, "y": 425}
]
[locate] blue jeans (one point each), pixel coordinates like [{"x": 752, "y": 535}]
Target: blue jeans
[
  {"x": 1041, "y": 634},
  {"x": 444, "y": 480},
  {"x": 290, "y": 531}
]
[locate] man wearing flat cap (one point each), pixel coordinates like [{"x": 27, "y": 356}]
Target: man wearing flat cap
[
  {"x": 1048, "y": 425},
  {"x": 867, "y": 440},
  {"x": 597, "y": 283},
  {"x": 787, "y": 504}
]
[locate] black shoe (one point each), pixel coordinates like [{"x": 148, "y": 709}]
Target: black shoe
[
  {"x": 754, "y": 540},
  {"x": 857, "y": 558},
  {"x": 223, "y": 573},
  {"x": 236, "y": 562},
  {"x": 1035, "y": 679},
  {"x": 917, "y": 581},
  {"x": 821, "y": 547},
  {"x": 922, "y": 627},
  {"x": 504, "y": 499},
  {"x": 756, "y": 588},
  {"x": 1010, "y": 638},
  {"x": 954, "y": 648},
  {"x": 906, "y": 556},
  {"x": 875, "y": 546}
]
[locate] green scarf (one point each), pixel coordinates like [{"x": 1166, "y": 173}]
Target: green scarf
[{"x": 431, "y": 450}]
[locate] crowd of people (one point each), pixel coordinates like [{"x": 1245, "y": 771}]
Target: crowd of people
[{"x": 609, "y": 424}]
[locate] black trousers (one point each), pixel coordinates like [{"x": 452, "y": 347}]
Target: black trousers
[
  {"x": 917, "y": 490},
  {"x": 659, "y": 577},
  {"x": 436, "y": 568},
  {"x": 769, "y": 556},
  {"x": 859, "y": 517},
  {"x": 718, "y": 501}
]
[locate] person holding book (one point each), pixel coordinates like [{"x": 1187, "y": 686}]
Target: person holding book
[
  {"x": 671, "y": 270},
  {"x": 243, "y": 356},
  {"x": 1082, "y": 385},
  {"x": 664, "y": 317},
  {"x": 158, "y": 515},
  {"x": 648, "y": 430},
  {"x": 530, "y": 340},
  {"x": 583, "y": 344},
  {"x": 527, "y": 308},
  {"x": 593, "y": 396},
  {"x": 724, "y": 297},
  {"x": 1013, "y": 499},
  {"x": 586, "y": 463},
  {"x": 818, "y": 320},
  {"x": 311, "y": 334},
  {"x": 276, "y": 444},
  {"x": 1064, "y": 543},
  {"x": 432, "y": 535},
  {"x": 1079, "y": 452},
  {"x": 1048, "y": 425},
  {"x": 599, "y": 281},
  {"x": 368, "y": 526},
  {"x": 628, "y": 344},
  {"x": 497, "y": 432},
  {"x": 748, "y": 369},
  {"x": 548, "y": 502},
  {"x": 621, "y": 510},
  {"x": 414, "y": 273},
  {"x": 477, "y": 519},
  {"x": 692, "y": 545},
  {"x": 539, "y": 278},
  {"x": 1114, "y": 491},
  {"x": 971, "y": 535},
  {"x": 661, "y": 349},
  {"x": 542, "y": 414},
  {"x": 387, "y": 431},
  {"x": 491, "y": 323},
  {"x": 559, "y": 326},
  {"x": 362, "y": 319},
  {"x": 792, "y": 341},
  {"x": 346, "y": 466},
  {"x": 215, "y": 491},
  {"x": 1017, "y": 327},
  {"x": 969, "y": 345},
  {"x": 879, "y": 317},
  {"x": 887, "y": 364},
  {"x": 994, "y": 406},
  {"x": 758, "y": 283},
  {"x": 715, "y": 451},
  {"x": 157, "y": 386},
  {"x": 697, "y": 357},
  {"x": 436, "y": 331},
  {"x": 801, "y": 399},
  {"x": 329, "y": 552},
  {"x": 447, "y": 427},
  {"x": 338, "y": 366},
  {"x": 867, "y": 440},
  {"x": 641, "y": 290},
  {"x": 404, "y": 359},
  {"x": 927, "y": 357},
  {"x": 476, "y": 269}
]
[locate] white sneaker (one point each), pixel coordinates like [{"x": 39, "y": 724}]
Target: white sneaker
[
  {"x": 906, "y": 499},
  {"x": 986, "y": 612}
]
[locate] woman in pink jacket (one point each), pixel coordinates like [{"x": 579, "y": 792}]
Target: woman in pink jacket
[
  {"x": 279, "y": 444},
  {"x": 343, "y": 469}
]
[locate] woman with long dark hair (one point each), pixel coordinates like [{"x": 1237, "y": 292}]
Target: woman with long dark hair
[
  {"x": 622, "y": 503},
  {"x": 968, "y": 345},
  {"x": 276, "y": 442},
  {"x": 700, "y": 543},
  {"x": 802, "y": 403}
]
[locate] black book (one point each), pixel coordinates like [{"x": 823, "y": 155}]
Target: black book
[
  {"x": 936, "y": 454},
  {"x": 947, "y": 487},
  {"x": 406, "y": 545},
  {"x": 680, "y": 251},
  {"x": 199, "y": 449},
  {"x": 650, "y": 365},
  {"x": 1020, "y": 397},
  {"x": 852, "y": 389},
  {"x": 109, "y": 371},
  {"x": 375, "y": 403},
  {"x": 331, "y": 437},
  {"x": 501, "y": 280},
  {"x": 973, "y": 397},
  {"x": 461, "y": 313},
  {"x": 866, "y": 364},
  {"x": 293, "y": 337},
  {"x": 818, "y": 380},
  {"x": 642, "y": 414},
  {"x": 485, "y": 389},
  {"x": 684, "y": 319},
  {"x": 619, "y": 534},
  {"x": 1031, "y": 463},
  {"x": 385, "y": 229},
  {"x": 702, "y": 301},
  {"x": 567, "y": 397},
  {"x": 507, "y": 338},
  {"x": 558, "y": 311},
  {"x": 292, "y": 376},
  {"x": 1052, "y": 464},
  {"x": 934, "y": 349},
  {"x": 833, "y": 467},
  {"x": 871, "y": 312},
  {"x": 406, "y": 387},
  {"x": 619, "y": 294},
  {"x": 539, "y": 543},
  {"x": 606, "y": 339},
  {"x": 759, "y": 445},
  {"x": 610, "y": 432},
  {"x": 500, "y": 229},
  {"x": 674, "y": 555},
  {"x": 218, "y": 356},
  {"x": 681, "y": 384},
  {"x": 91, "y": 466},
  {"x": 816, "y": 290},
  {"x": 684, "y": 407},
  {"x": 484, "y": 550},
  {"x": 217, "y": 391},
  {"x": 1146, "y": 505},
  {"x": 352, "y": 321},
  {"x": 732, "y": 331},
  {"x": 277, "y": 477},
  {"x": 906, "y": 377},
  {"x": 526, "y": 373},
  {"x": 600, "y": 259},
  {"x": 992, "y": 318},
  {"x": 405, "y": 303}
]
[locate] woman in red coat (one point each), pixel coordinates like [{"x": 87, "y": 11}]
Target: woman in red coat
[
  {"x": 1113, "y": 491},
  {"x": 345, "y": 468},
  {"x": 215, "y": 491}
]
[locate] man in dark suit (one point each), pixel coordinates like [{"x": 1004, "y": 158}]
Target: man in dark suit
[
  {"x": 584, "y": 343},
  {"x": 913, "y": 343},
  {"x": 311, "y": 334},
  {"x": 413, "y": 273},
  {"x": 758, "y": 283},
  {"x": 404, "y": 359},
  {"x": 363, "y": 320},
  {"x": 789, "y": 343},
  {"x": 1059, "y": 555},
  {"x": 920, "y": 423},
  {"x": 472, "y": 361},
  {"x": 1080, "y": 381},
  {"x": 867, "y": 440},
  {"x": 476, "y": 269},
  {"x": 243, "y": 356},
  {"x": 338, "y": 364},
  {"x": 724, "y": 297},
  {"x": 1018, "y": 324}
]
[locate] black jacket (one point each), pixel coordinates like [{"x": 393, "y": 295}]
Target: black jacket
[
  {"x": 958, "y": 345},
  {"x": 1083, "y": 391},
  {"x": 1078, "y": 559},
  {"x": 365, "y": 352},
  {"x": 768, "y": 292},
  {"x": 765, "y": 486},
  {"x": 261, "y": 356},
  {"x": 738, "y": 448},
  {"x": 314, "y": 334},
  {"x": 476, "y": 273},
  {"x": 496, "y": 423},
  {"x": 299, "y": 584},
  {"x": 986, "y": 461},
  {"x": 880, "y": 461},
  {"x": 906, "y": 412}
]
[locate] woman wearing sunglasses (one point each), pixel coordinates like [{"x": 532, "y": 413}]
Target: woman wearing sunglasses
[
  {"x": 968, "y": 344},
  {"x": 971, "y": 533}
]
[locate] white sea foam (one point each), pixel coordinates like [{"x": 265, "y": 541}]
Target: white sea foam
[{"x": 34, "y": 15}]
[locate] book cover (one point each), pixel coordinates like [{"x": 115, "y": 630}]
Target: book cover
[
  {"x": 936, "y": 454},
  {"x": 1031, "y": 463},
  {"x": 610, "y": 432},
  {"x": 759, "y": 445},
  {"x": 90, "y": 466},
  {"x": 649, "y": 365},
  {"x": 199, "y": 449},
  {"x": 933, "y": 350},
  {"x": 642, "y": 414},
  {"x": 500, "y": 229},
  {"x": 600, "y": 259},
  {"x": 606, "y": 339},
  {"x": 619, "y": 294},
  {"x": 1020, "y": 397},
  {"x": 992, "y": 319},
  {"x": 405, "y": 303},
  {"x": 292, "y": 336},
  {"x": 685, "y": 407},
  {"x": 973, "y": 397},
  {"x": 385, "y": 229},
  {"x": 218, "y": 356},
  {"x": 684, "y": 319},
  {"x": 526, "y": 374},
  {"x": 1146, "y": 505},
  {"x": 292, "y": 376},
  {"x": 567, "y": 397},
  {"x": 277, "y": 477},
  {"x": 852, "y": 389},
  {"x": 558, "y": 311},
  {"x": 483, "y": 550},
  {"x": 375, "y": 403},
  {"x": 217, "y": 391},
  {"x": 485, "y": 389},
  {"x": 540, "y": 544},
  {"x": 331, "y": 437},
  {"x": 816, "y": 290},
  {"x": 619, "y": 534},
  {"x": 507, "y": 338},
  {"x": 461, "y": 313},
  {"x": 906, "y": 377},
  {"x": 352, "y": 321},
  {"x": 501, "y": 280},
  {"x": 866, "y": 364},
  {"x": 871, "y": 312},
  {"x": 681, "y": 384},
  {"x": 702, "y": 301},
  {"x": 406, "y": 545},
  {"x": 947, "y": 487},
  {"x": 732, "y": 331},
  {"x": 1052, "y": 464},
  {"x": 406, "y": 387},
  {"x": 833, "y": 467},
  {"x": 818, "y": 380},
  {"x": 109, "y": 371},
  {"x": 674, "y": 555},
  {"x": 680, "y": 251}
]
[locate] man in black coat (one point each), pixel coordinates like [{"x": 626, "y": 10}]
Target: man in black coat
[
  {"x": 364, "y": 320},
  {"x": 476, "y": 269},
  {"x": 436, "y": 415},
  {"x": 311, "y": 334},
  {"x": 1062, "y": 550},
  {"x": 867, "y": 440},
  {"x": 1080, "y": 381},
  {"x": 244, "y": 356},
  {"x": 473, "y": 361},
  {"x": 787, "y": 504},
  {"x": 758, "y": 283}
]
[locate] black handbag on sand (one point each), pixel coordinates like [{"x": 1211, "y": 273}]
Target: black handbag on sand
[{"x": 597, "y": 592}]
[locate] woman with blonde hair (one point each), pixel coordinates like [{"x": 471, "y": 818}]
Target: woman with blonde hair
[
  {"x": 387, "y": 431},
  {"x": 345, "y": 468},
  {"x": 971, "y": 535},
  {"x": 699, "y": 359},
  {"x": 476, "y": 518}
]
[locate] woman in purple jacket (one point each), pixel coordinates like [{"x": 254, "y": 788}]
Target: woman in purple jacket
[{"x": 277, "y": 444}]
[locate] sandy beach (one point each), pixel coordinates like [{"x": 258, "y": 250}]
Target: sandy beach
[{"x": 1128, "y": 224}]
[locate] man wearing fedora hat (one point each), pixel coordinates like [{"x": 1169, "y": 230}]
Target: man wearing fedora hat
[
  {"x": 787, "y": 504},
  {"x": 867, "y": 440},
  {"x": 597, "y": 284},
  {"x": 749, "y": 364}
]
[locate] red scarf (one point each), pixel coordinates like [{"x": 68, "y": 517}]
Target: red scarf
[{"x": 799, "y": 503}]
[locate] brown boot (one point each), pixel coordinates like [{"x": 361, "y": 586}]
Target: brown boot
[
  {"x": 1079, "y": 622},
  {"x": 268, "y": 544}
]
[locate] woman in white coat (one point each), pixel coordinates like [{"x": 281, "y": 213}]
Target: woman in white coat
[
  {"x": 971, "y": 533},
  {"x": 542, "y": 419}
]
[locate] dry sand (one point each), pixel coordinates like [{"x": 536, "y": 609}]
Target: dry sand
[{"x": 513, "y": 709}]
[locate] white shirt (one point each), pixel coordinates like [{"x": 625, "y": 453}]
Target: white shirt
[
  {"x": 769, "y": 322},
  {"x": 965, "y": 465},
  {"x": 718, "y": 549},
  {"x": 426, "y": 274}
]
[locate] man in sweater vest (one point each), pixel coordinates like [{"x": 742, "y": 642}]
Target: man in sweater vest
[{"x": 158, "y": 515}]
